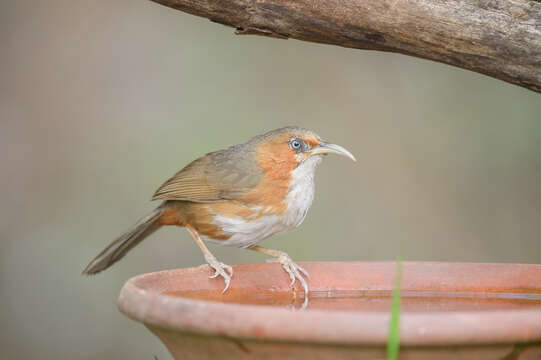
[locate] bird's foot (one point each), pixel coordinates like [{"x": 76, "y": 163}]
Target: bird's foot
[
  {"x": 220, "y": 269},
  {"x": 295, "y": 272}
]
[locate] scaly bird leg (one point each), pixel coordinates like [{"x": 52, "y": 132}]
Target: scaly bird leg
[
  {"x": 220, "y": 268},
  {"x": 294, "y": 271}
]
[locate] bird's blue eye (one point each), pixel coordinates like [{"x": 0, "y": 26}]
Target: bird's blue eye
[{"x": 295, "y": 144}]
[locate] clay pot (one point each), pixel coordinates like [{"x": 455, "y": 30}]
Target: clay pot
[{"x": 449, "y": 311}]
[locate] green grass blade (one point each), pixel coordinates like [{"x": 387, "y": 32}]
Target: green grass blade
[{"x": 393, "y": 342}]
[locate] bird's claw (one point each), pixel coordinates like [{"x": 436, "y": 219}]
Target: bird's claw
[
  {"x": 220, "y": 269},
  {"x": 295, "y": 272}
]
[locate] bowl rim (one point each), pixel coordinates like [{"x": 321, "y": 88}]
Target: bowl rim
[{"x": 231, "y": 320}]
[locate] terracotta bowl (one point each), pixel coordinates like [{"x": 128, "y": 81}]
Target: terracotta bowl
[{"x": 449, "y": 311}]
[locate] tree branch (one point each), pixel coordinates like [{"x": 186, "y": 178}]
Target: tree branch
[{"x": 499, "y": 38}]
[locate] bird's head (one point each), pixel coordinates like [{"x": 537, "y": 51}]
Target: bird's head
[{"x": 287, "y": 148}]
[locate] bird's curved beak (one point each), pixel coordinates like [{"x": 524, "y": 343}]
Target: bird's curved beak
[{"x": 324, "y": 148}]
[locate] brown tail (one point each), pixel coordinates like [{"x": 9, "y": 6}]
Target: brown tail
[{"x": 124, "y": 243}]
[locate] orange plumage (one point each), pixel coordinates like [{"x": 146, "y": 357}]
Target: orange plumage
[{"x": 238, "y": 196}]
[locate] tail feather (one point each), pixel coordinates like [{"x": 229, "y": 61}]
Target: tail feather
[{"x": 124, "y": 243}]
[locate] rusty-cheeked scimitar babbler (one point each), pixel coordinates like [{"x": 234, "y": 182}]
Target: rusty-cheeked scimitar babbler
[{"x": 238, "y": 196}]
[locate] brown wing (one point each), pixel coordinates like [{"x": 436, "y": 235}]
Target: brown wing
[{"x": 223, "y": 175}]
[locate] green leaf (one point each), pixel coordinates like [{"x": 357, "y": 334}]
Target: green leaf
[{"x": 393, "y": 342}]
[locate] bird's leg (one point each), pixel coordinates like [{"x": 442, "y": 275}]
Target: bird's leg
[
  {"x": 294, "y": 271},
  {"x": 220, "y": 268}
]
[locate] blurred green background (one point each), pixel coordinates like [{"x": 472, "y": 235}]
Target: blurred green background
[{"x": 102, "y": 101}]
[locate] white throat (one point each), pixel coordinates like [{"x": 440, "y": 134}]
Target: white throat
[{"x": 301, "y": 191}]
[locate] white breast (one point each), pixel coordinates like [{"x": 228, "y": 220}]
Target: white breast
[
  {"x": 301, "y": 192},
  {"x": 245, "y": 233}
]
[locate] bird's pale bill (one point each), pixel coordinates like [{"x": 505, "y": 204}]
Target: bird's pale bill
[{"x": 326, "y": 148}]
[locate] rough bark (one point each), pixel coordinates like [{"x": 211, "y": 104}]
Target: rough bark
[{"x": 499, "y": 38}]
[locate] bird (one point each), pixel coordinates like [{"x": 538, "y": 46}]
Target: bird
[{"x": 238, "y": 196}]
